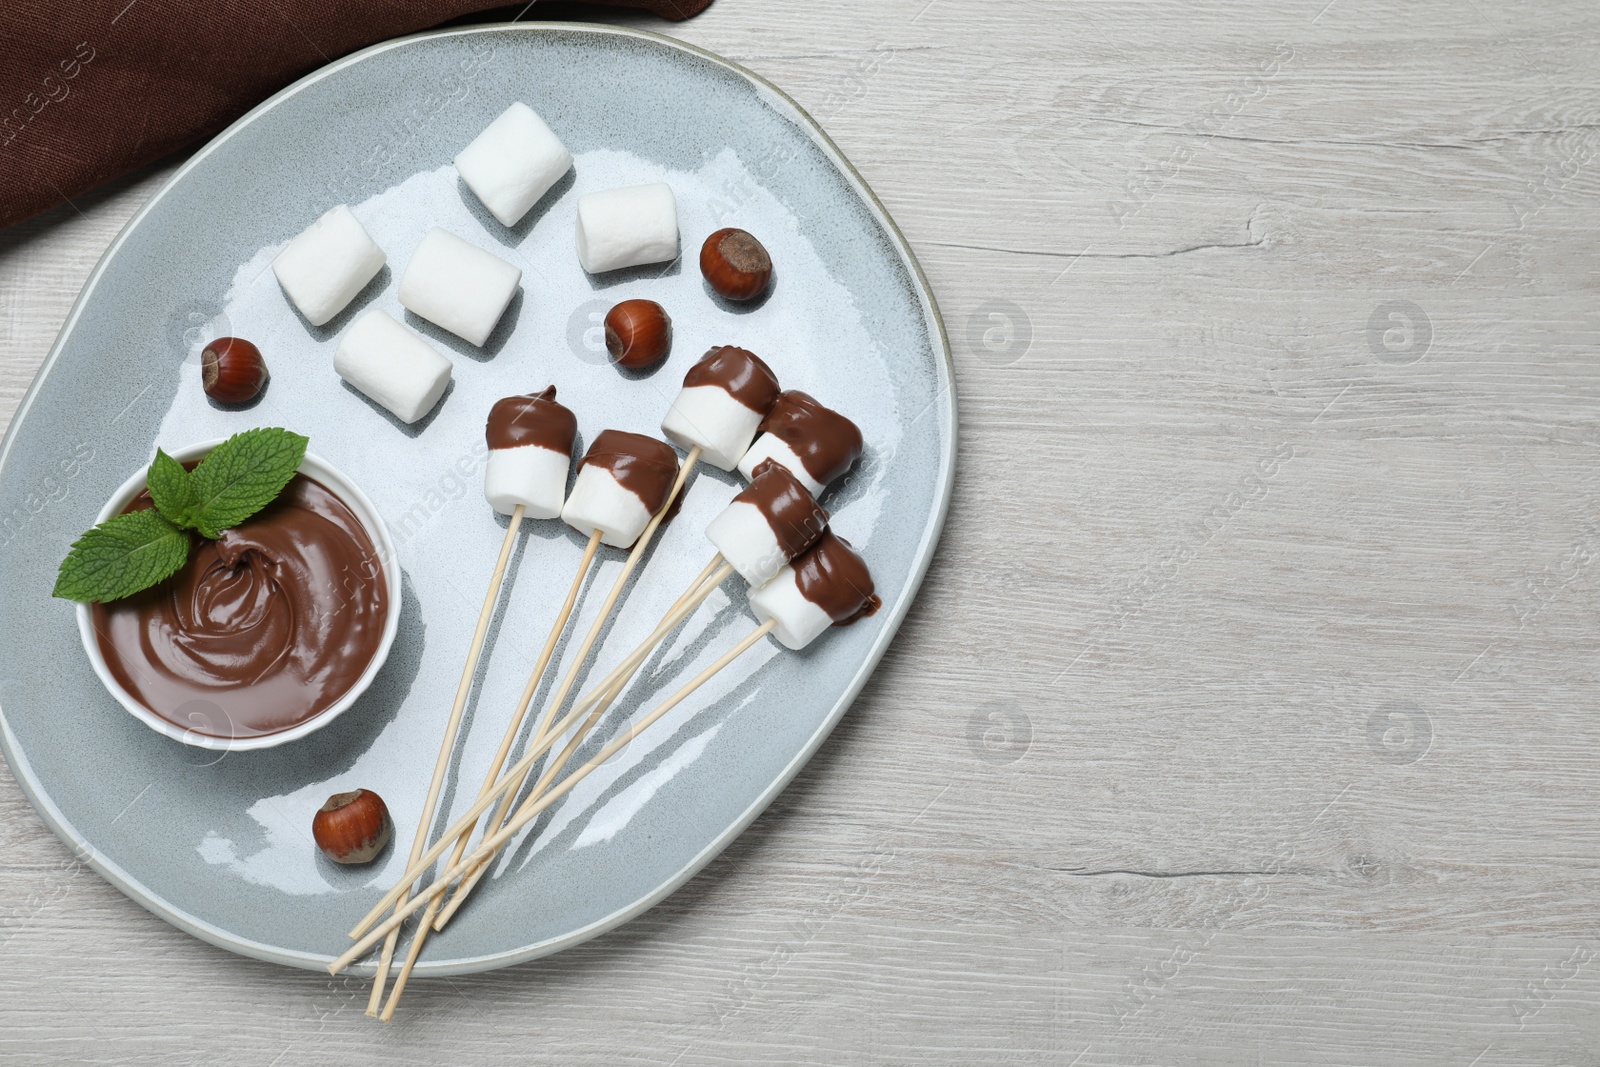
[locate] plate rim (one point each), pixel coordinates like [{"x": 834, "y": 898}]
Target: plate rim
[{"x": 165, "y": 909}]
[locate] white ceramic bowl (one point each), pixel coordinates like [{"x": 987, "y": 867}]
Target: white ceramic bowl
[{"x": 312, "y": 466}]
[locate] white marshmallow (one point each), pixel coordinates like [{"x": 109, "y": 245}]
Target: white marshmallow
[
  {"x": 599, "y": 502},
  {"x": 800, "y": 622},
  {"x": 745, "y": 538},
  {"x": 769, "y": 446},
  {"x": 324, "y": 268},
  {"x": 513, "y": 162},
  {"x": 709, "y": 416},
  {"x": 457, "y": 285},
  {"x": 627, "y": 227},
  {"x": 392, "y": 365},
  {"x": 530, "y": 475}
]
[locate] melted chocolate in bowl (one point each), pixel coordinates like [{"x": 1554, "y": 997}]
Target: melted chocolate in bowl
[{"x": 263, "y": 629}]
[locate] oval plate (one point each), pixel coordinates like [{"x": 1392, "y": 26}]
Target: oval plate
[{"x": 219, "y": 843}]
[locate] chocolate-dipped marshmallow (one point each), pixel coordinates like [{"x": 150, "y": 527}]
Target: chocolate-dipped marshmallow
[
  {"x": 530, "y": 452},
  {"x": 770, "y": 523},
  {"x": 827, "y": 585},
  {"x": 723, "y": 400},
  {"x": 623, "y": 480},
  {"x": 817, "y": 444}
]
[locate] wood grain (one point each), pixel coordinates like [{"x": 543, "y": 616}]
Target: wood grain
[{"x": 1247, "y": 715}]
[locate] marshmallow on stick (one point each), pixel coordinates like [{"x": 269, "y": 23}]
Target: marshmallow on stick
[
  {"x": 815, "y": 443},
  {"x": 531, "y": 485},
  {"x": 627, "y": 227},
  {"x": 530, "y": 453},
  {"x": 458, "y": 286},
  {"x": 770, "y": 523},
  {"x": 324, "y": 268},
  {"x": 623, "y": 480},
  {"x": 530, "y": 449},
  {"x": 723, "y": 400},
  {"x": 513, "y": 162},
  {"x": 392, "y": 365}
]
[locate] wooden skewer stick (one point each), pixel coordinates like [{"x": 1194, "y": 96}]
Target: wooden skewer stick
[
  {"x": 520, "y": 769},
  {"x": 605, "y": 701},
  {"x": 600, "y": 705},
  {"x": 512, "y": 729},
  {"x": 447, "y": 746},
  {"x": 487, "y": 849},
  {"x": 639, "y": 548}
]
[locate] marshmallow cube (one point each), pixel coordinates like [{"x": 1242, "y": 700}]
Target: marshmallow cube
[
  {"x": 392, "y": 365},
  {"x": 770, "y": 446},
  {"x": 458, "y": 286},
  {"x": 745, "y": 538},
  {"x": 599, "y": 502},
  {"x": 627, "y": 227},
  {"x": 530, "y": 475},
  {"x": 324, "y": 268},
  {"x": 513, "y": 162},
  {"x": 800, "y": 622},
  {"x": 709, "y": 416}
]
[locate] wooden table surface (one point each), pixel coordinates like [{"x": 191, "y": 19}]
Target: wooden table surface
[{"x": 1248, "y": 714}]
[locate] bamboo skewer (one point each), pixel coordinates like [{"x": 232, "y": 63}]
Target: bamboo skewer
[
  {"x": 512, "y": 729},
  {"x": 492, "y": 844},
  {"x": 602, "y": 699},
  {"x": 452, "y": 725},
  {"x": 698, "y": 586},
  {"x": 520, "y": 769}
]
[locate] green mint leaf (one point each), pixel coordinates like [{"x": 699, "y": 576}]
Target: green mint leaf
[
  {"x": 122, "y": 556},
  {"x": 172, "y": 490},
  {"x": 243, "y": 475}
]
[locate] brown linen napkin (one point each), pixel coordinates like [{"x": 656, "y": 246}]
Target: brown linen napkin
[{"x": 90, "y": 89}]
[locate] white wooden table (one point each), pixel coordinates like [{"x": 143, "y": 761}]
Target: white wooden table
[{"x": 1249, "y": 713}]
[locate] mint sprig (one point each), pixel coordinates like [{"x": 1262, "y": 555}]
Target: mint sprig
[
  {"x": 137, "y": 549},
  {"x": 122, "y": 556}
]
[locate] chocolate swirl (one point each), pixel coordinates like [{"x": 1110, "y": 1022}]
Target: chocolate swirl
[
  {"x": 834, "y": 577},
  {"x": 532, "y": 419},
  {"x": 796, "y": 518},
  {"x": 263, "y": 628},
  {"x": 739, "y": 373},
  {"x": 643, "y": 465},
  {"x": 826, "y": 442}
]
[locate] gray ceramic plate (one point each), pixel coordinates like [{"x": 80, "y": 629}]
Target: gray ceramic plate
[{"x": 219, "y": 843}]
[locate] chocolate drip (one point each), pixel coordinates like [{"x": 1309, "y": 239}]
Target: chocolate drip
[
  {"x": 739, "y": 373},
  {"x": 796, "y": 518},
  {"x": 263, "y": 628},
  {"x": 826, "y": 442},
  {"x": 532, "y": 419},
  {"x": 643, "y": 465},
  {"x": 834, "y": 577}
]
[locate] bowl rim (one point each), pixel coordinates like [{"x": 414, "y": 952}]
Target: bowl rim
[{"x": 313, "y": 466}]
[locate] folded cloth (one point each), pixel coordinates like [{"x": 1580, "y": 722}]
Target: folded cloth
[{"x": 92, "y": 89}]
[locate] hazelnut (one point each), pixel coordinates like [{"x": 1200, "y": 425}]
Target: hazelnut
[
  {"x": 735, "y": 264},
  {"x": 352, "y": 827},
  {"x": 232, "y": 370},
  {"x": 638, "y": 333}
]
